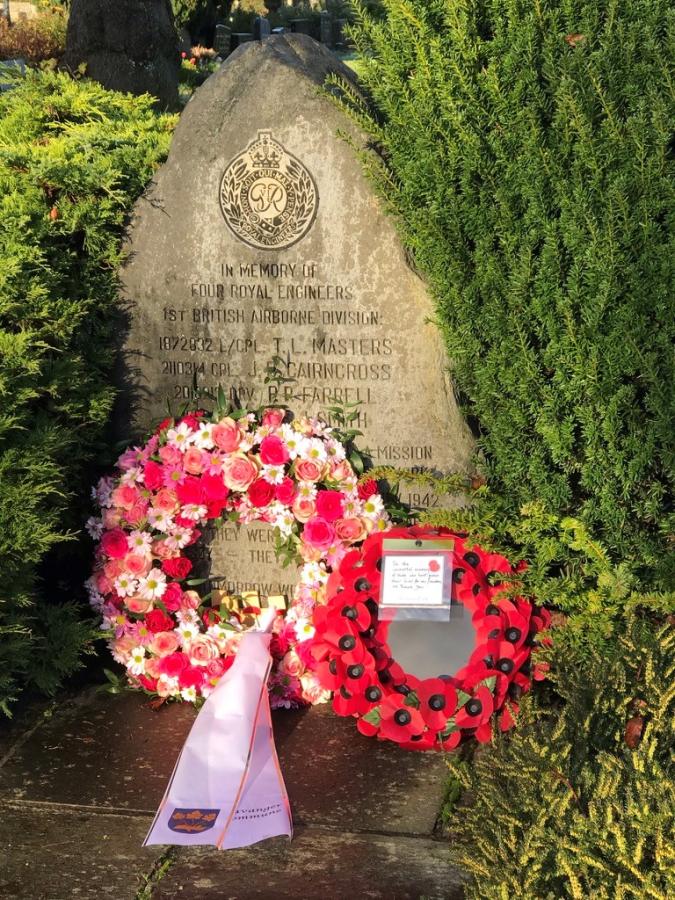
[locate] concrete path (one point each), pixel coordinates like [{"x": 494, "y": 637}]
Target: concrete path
[{"x": 79, "y": 786}]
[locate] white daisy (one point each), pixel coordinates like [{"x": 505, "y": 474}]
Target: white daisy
[
  {"x": 285, "y": 521},
  {"x": 203, "y": 438},
  {"x": 273, "y": 474},
  {"x": 373, "y": 506},
  {"x": 306, "y": 490},
  {"x": 186, "y": 631},
  {"x": 153, "y": 585},
  {"x": 193, "y": 511},
  {"x": 160, "y": 519},
  {"x": 136, "y": 664},
  {"x": 312, "y": 448},
  {"x": 140, "y": 542},
  {"x": 134, "y": 475},
  {"x": 181, "y": 436},
  {"x": 189, "y": 694},
  {"x": 126, "y": 585},
  {"x": 291, "y": 439}
]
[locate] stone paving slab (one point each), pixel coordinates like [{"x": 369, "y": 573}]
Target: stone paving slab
[
  {"x": 114, "y": 752},
  {"x": 60, "y": 854},
  {"x": 318, "y": 865}
]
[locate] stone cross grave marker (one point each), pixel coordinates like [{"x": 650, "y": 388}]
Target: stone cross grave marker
[{"x": 261, "y": 238}]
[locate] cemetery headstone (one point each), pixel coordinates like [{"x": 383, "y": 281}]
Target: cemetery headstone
[
  {"x": 127, "y": 45},
  {"x": 300, "y": 26},
  {"x": 261, "y": 28},
  {"x": 326, "y": 28},
  {"x": 339, "y": 33},
  {"x": 222, "y": 41},
  {"x": 261, "y": 239}
]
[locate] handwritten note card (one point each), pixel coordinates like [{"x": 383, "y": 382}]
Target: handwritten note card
[{"x": 415, "y": 579}]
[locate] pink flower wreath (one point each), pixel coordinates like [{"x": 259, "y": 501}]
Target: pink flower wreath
[{"x": 294, "y": 475}]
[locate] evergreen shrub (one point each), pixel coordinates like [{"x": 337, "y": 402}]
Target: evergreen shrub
[
  {"x": 73, "y": 159},
  {"x": 526, "y": 149},
  {"x": 579, "y": 801}
]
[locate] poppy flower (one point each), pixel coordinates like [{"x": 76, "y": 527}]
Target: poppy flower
[
  {"x": 420, "y": 742},
  {"x": 359, "y": 675},
  {"x": 438, "y": 700},
  {"x": 347, "y": 704},
  {"x": 399, "y": 722},
  {"x": 331, "y": 674},
  {"x": 452, "y": 741},
  {"x": 477, "y": 709},
  {"x": 367, "y": 728}
]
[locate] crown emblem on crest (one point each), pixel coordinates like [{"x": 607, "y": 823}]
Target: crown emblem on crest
[
  {"x": 267, "y": 196},
  {"x": 265, "y": 153}
]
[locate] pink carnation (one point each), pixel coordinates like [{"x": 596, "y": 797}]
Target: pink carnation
[
  {"x": 153, "y": 475},
  {"x": 329, "y": 505}
]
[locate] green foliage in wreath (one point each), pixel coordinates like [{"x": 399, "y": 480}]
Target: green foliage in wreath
[
  {"x": 526, "y": 149},
  {"x": 579, "y": 801},
  {"x": 73, "y": 159}
]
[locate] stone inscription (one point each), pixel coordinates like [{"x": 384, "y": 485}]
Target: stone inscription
[{"x": 260, "y": 241}]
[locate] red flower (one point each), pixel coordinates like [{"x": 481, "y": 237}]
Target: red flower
[
  {"x": 173, "y": 664},
  {"x": 399, "y": 722},
  {"x": 286, "y": 492},
  {"x": 157, "y": 620},
  {"x": 150, "y": 684},
  {"x": 438, "y": 700},
  {"x": 192, "y": 419},
  {"x": 163, "y": 424},
  {"x": 179, "y": 567},
  {"x": 190, "y": 491},
  {"x": 191, "y": 676},
  {"x": 114, "y": 543},
  {"x": 329, "y": 505},
  {"x": 367, "y": 489},
  {"x": 273, "y": 451},
  {"x": 153, "y": 475},
  {"x": 477, "y": 709},
  {"x": 214, "y": 488},
  {"x": 261, "y": 493}
]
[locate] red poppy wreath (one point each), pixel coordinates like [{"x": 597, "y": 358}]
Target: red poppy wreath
[{"x": 355, "y": 662}]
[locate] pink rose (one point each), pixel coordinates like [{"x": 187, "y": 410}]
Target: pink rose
[
  {"x": 173, "y": 664},
  {"x": 162, "y": 550},
  {"x": 115, "y": 543},
  {"x": 191, "y": 676},
  {"x": 215, "y": 667},
  {"x": 137, "y": 605},
  {"x": 309, "y": 470},
  {"x": 172, "y": 596},
  {"x": 137, "y": 512},
  {"x": 152, "y": 667},
  {"x": 329, "y": 505},
  {"x": 103, "y": 583},
  {"x": 166, "y": 500},
  {"x": 226, "y": 435},
  {"x": 164, "y": 687},
  {"x": 164, "y": 643},
  {"x": 303, "y": 509},
  {"x": 137, "y": 564},
  {"x": 291, "y": 665},
  {"x": 312, "y": 691},
  {"x": 113, "y": 568},
  {"x": 239, "y": 472},
  {"x": 202, "y": 649},
  {"x": 190, "y": 600},
  {"x": 273, "y": 451},
  {"x": 286, "y": 492},
  {"x": 171, "y": 456},
  {"x": 125, "y": 496},
  {"x": 318, "y": 533},
  {"x": 340, "y": 471},
  {"x": 193, "y": 461},
  {"x": 153, "y": 475},
  {"x": 272, "y": 418},
  {"x": 350, "y": 530}
]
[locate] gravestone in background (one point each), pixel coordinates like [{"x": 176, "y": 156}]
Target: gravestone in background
[{"x": 260, "y": 238}]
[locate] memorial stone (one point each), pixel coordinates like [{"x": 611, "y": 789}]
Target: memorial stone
[
  {"x": 326, "y": 28},
  {"x": 261, "y": 238},
  {"x": 222, "y": 41},
  {"x": 261, "y": 28}
]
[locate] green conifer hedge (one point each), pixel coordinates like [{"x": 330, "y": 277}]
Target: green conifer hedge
[
  {"x": 579, "y": 802},
  {"x": 527, "y": 150},
  {"x": 73, "y": 159}
]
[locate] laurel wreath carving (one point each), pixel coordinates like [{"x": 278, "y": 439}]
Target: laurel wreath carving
[{"x": 305, "y": 206}]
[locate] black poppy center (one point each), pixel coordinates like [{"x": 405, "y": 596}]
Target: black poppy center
[
  {"x": 505, "y": 665},
  {"x": 402, "y": 717},
  {"x": 362, "y": 584},
  {"x": 373, "y": 694},
  {"x": 474, "y": 707},
  {"x": 371, "y": 605},
  {"x": 345, "y": 693},
  {"x": 472, "y": 558},
  {"x": 332, "y": 667},
  {"x": 355, "y": 671},
  {"x": 493, "y": 634},
  {"x": 491, "y": 610},
  {"x": 349, "y": 612},
  {"x": 458, "y": 575},
  {"x": 513, "y": 634},
  {"x": 437, "y": 702},
  {"x": 347, "y": 642}
]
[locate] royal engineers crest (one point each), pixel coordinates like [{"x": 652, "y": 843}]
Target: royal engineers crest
[{"x": 267, "y": 196}]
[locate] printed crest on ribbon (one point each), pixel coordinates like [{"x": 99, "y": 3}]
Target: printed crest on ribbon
[
  {"x": 192, "y": 821},
  {"x": 268, "y": 198}
]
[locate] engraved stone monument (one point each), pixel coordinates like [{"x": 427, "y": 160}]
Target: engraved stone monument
[{"x": 260, "y": 237}]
